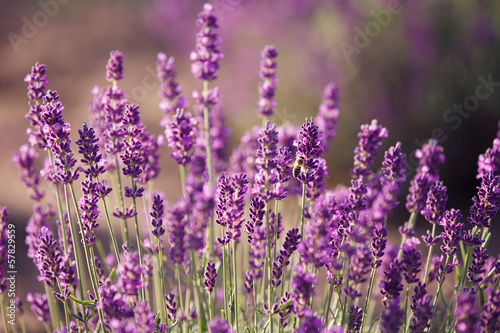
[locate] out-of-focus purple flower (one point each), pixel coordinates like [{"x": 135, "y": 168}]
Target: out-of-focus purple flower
[
  {"x": 56, "y": 133},
  {"x": 150, "y": 157},
  {"x": 200, "y": 203},
  {"x": 129, "y": 279},
  {"x": 257, "y": 237},
  {"x": 436, "y": 203},
  {"x": 28, "y": 174},
  {"x": 466, "y": 312},
  {"x": 427, "y": 173},
  {"x": 114, "y": 102},
  {"x": 242, "y": 158},
  {"x": 472, "y": 239},
  {"x": 169, "y": 89},
  {"x": 452, "y": 231},
  {"x": 489, "y": 161},
  {"x": 422, "y": 309},
  {"x": 142, "y": 321},
  {"x": 171, "y": 306},
  {"x": 114, "y": 67},
  {"x": 490, "y": 317},
  {"x": 328, "y": 113},
  {"x": 302, "y": 286},
  {"x": 378, "y": 244},
  {"x": 37, "y": 82},
  {"x": 486, "y": 203},
  {"x": 176, "y": 227},
  {"x": 370, "y": 140},
  {"x": 267, "y": 174},
  {"x": 355, "y": 317},
  {"x": 392, "y": 317},
  {"x": 310, "y": 323},
  {"x": 219, "y": 325},
  {"x": 39, "y": 306},
  {"x": 310, "y": 144},
  {"x": 394, "y": 165},
  {"x": 206, "y": 54},
  {"x": 210, "y": 275},
  {"x": 113, "y": 303},
  {"x": 87, "y": 146},
  {"x": 477, "y": 266},
  {"x": 39, "y": 219},
  {"x": 267, "y": 88},
  {"x": 411, "y": 260},
  {"x": 284, "y": 160},
  {"x": 180, "y": 133},
  {"x": 361, "y": 265},
  {"x": 48, "y": 258}
]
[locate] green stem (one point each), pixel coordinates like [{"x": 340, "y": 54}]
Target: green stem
[
  {"x": 411, "y": 224},
  {"x": 163, "y": 309},
  {"x": 194, "y": 270},
  {"x": 429, "y": 255},
  {"x": 125, "y": 233},
  {"x": 111, "y": 232},
  {"x": 368, "y": 295},
  {"x": 440, "y": 285},
  {"x": 138, "y": 239},
  {"x": 235, "y": 287},
  {"x": 55, "y": 315},
  {"x": 302, "y": 208},
  {"x": 3, "y": 307}
]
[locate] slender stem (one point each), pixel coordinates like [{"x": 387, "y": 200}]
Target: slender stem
[
  {"x": 138, "y": 239},
  {"x": 269, "y": 265},
  {"x": 55, "y": 315},
  {"x": 368, "y": 295},
  {"x": 411, "y": 224},
  {"x": 429, "y": 255},
  {"x": 59, "y": 206},
  {"x": 182, "y": 169},
  {"x": 125, "y": 233},
  {"x": 235, "y": 287},
  {"x": 163, "y": 309},
  {"x": 66, "y": 312},
  {"x": 406, "y": 322},
  {"x": 197, "y": 300},
  {"x": 466, "y": 261},
  {"x": 302, "y": 208},
  {"x": 440, "y": 285},
  {"x": 111, "y": 232}
]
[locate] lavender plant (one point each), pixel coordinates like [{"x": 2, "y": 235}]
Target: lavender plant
[{"x": 332, "y": 272}]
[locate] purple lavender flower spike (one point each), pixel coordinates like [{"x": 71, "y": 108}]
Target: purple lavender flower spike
[
  {"x": 283, "y": 314},
  {"x": 39, "y": 306},
  {"x": 436, "y": 203},
  {"x": 129, "y": 280},
  {"x": 466, "y": 312},
  {"x": 451, "y": 235},
  {"x": 411, "y": 260},
  {"x": 370, "y": 139},
  {"x": 392, "y": 317},
  {"x": 489, "y": 161},
  {"x": 257, "y": 236},
  {"x": 394, "y": 165},
  {"x": 210, "y": 275},
  {"x": 48, "y": 258},
  {"x": 477, "y": 266},
  {"x": 302, "y": 284},
  {"x": 28, "y": 174},
  {"x": 355, "y": 317},
  {"x": 266, "y": 162},
  {"x": 490, "y": 317},
  {"x": 361, "y": 265},
  {"x": 37, "y": 82},
  {"x": 487, "y": 201},
  {"x": 391, "y": 286},
  {"x": 267, "y": 87},
  {"x": 219, "y": 325},
  {"x": 206, "y": 54},
  {"x": 114, "y": 67},
  {"x": 89, "y": 211},
  {"x": 310, "y": 145},
  {"x": 113, "y": 303},
  {"x": 328, "y": 113},
  {"x": 181, "y": 135},
  {"x": 176, "y": 227},
  {"x": 171, "y": 306},
  {"x": 422, "y": 309},
  {"x": 169, "y": 89},
  {"x": 427, "y": 173},
  {"x": 157, "y": 216}
]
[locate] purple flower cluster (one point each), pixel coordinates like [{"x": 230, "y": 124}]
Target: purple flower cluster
[
  {"x": 230, "y": 207},
  {"x": 302, "y": 286},
  {"x": 392, "y": 317},
  {"x": 157, "y": 215},
  {"x": 267, "y": 88},
  {"x": 267, "y": 175},
  {"x": 289, "y": 246},
  {"x": 436, "y": 203},
  {"x": 466, "y": 312},
  {"x": 477, "y": 266},
  {"x": 39, "y": 306},
  {"x": 422, "y": 309},
  {"x": 171, "y": 306},
  {"x": 490, "y": 317},
  {"x": 29, "y": 175},
  {"x": 486, "y": 203},
  {"x": 355, "y": 317},
  {"x": 37, "y": 82},
  {"x": 451, "y": 235},
  {"x": 489, "y": 162},
  {"x": 370, "y": 140},
  {"x": 48, "y": 258},
  {"x": 219, "y": 325},
  {"x": 169, "y": 90},
  {"x": 206, "y": 54},
  {"x": 257, "y": 237},
  {"x": 391, "y": 287},
  {"x": 410, "y": 262},
  {"x": 114, "y": 67},
  {"x": 309, "y": 144},
  {"x": 210, "y": 275}
]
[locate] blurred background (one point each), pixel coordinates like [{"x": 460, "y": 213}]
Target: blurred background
[{"x": 422, "y": 68}]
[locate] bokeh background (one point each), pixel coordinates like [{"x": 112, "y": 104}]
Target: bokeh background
[{"x": 404, "y": 63}]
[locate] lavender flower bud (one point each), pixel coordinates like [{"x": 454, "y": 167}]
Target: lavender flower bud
[
  {"x": 391, "y": 286},
  {"x": 422, "y": 309},
  {"x": 206, "y": 54},
  {"x": 37, "y": 82},
  {"x": 171, "y": 306},
  {"x": 310, "y": 323},
  {"x": 267, "y": 87},
  {"x": 370, "y": 139},
  {"x": 114, "y": 67},
  {"x": 310, "y": 144},
  {"x": 180, "y": 133},
  {"x": 28, "y": 174},
  {"x": 436, "y": 203},
  {"x": 355, "y": 317},
  {"x": 487, "y": 201},
  {"x": 210, "y": 275},
  {"x": 130, "y": 271},
  {"x": 156, "y": 215},
  {"x": 302, "y": 285},
  {"x": 477, "y": 266}
]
